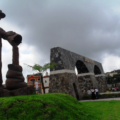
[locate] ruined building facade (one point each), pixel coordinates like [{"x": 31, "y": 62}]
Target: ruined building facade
[{"x": 64, "y": 80}]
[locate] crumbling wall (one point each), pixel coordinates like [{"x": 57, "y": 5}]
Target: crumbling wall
[{"x": 63, "y": 78}]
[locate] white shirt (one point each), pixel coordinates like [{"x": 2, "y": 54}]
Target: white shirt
[
  {"x": 96, "y": 90},
  {"x": 88, "y": 92},
  {"x": 92, "y": 90}
]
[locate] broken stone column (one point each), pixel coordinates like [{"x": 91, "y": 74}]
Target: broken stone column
[
  {"x": 15, "y": 78},
  {"x": 14, "y": 75},
  {"x": 15, "y": 84}
]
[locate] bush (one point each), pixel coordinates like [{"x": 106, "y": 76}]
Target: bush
[
  {"x": 109, "y": 95},
  {"x": 102, "y": 96},
  {"x": 86, "y": 97}
]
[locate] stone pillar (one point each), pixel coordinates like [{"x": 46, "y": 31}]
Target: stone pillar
[
  {"x": 64, "y": 81},
  {"x": 15, "y": 78},
  {"x": 86, "y": 81},
  {"x": 94, "y": 81},
  {"x": 15, "y": 57},
  {"x": 102, "y": 83}
]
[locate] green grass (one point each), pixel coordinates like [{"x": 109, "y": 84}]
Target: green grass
[
  {"x": 56, "y": 107},
  {"x": 108, "y": 110},
  {"x": 46, "y": 107}
]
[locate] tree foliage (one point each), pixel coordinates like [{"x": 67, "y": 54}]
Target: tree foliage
[
  {"x": 42, "y": 69},
  {"x": 113, "y": 79}
]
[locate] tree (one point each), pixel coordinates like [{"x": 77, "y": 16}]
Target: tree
[
  {"x": 116, "y": 77},
  {"x": 109, "y": 79},
  {"x": 42, "y": 69}
]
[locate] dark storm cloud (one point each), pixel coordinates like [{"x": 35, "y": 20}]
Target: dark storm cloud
[{"x": 88, "y": 27}]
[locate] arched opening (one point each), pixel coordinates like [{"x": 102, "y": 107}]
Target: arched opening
[
  {"x": 97, "y": 70},
  {"x": 81, "y": 67}
]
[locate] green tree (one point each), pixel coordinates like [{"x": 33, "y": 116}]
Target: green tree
[
  {"x": 116, "y": 78},
  {"x": 109, "y": 79},
  {"x": 42, "y": 69}
]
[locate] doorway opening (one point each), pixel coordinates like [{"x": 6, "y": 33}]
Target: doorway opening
[{"x": 76, "y": 91}]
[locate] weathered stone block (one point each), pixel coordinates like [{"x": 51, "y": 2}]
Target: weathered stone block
[
  {"x": 63, "y": 83},
  {"x": 16, "y": 92},
  {"x": 23, "y": 91},
  {"x": 15, "y": 79},
  {"x": 102, "y": 83},
  {"x": 4, "y": 92}
]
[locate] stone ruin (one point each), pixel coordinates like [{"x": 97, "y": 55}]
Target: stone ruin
[
  {"x": 15, "y": 84},
  {"x": 64, "y": 80}
]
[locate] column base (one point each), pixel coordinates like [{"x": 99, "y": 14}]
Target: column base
[{"x": 16, "y": 92}]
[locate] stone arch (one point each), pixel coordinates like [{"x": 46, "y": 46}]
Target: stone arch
[
  {"x": 65, "y": 71},
  {"x": 97, "y": 70},
  {"x": 81, "y": 67}
]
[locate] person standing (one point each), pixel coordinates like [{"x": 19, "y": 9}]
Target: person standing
[
  {"x": 93, "y": 93},
  {"x": 89, "y": 91},
  {"x": 96, "y": 90}
]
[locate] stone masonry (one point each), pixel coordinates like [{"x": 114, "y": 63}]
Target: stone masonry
[
  {"x": 63, "y": 78},
  {"x": 63, "y": 83}
]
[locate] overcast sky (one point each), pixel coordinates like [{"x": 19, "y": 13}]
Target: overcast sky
[{"x": 88, "y": 27}]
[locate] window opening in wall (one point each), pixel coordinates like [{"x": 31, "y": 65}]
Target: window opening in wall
[
  {"x": 33, "y": 80},
  {"x": 81, "y": 67},
  {"x": 97, "y": 70}
]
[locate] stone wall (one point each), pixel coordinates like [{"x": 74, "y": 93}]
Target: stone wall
[
  {"x": 16, "y": 92},
  {"x": 63, "y": 78},
  {"x": 102, "y": 83},
  {"x": 63, "y": 83},
  {"x": 85, "y": 83}
]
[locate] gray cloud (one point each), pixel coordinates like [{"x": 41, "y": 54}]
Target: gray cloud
[{"x": 89, "y": 28}]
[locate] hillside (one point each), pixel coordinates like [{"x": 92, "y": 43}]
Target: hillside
[{"x": 44, "y": 107}]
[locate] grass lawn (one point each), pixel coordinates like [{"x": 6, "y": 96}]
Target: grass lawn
[
  {"x": 46, "y": 107},
  {"x": 108, "y": 110},
  {"x": 56, "y": 107}
]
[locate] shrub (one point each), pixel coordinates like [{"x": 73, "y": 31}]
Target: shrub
[
  {"x": 102, "y": 96},
  {"x": 86, "y": 97}
]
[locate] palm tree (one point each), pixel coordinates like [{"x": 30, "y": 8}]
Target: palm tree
[{"x": 42, "y": 69}]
